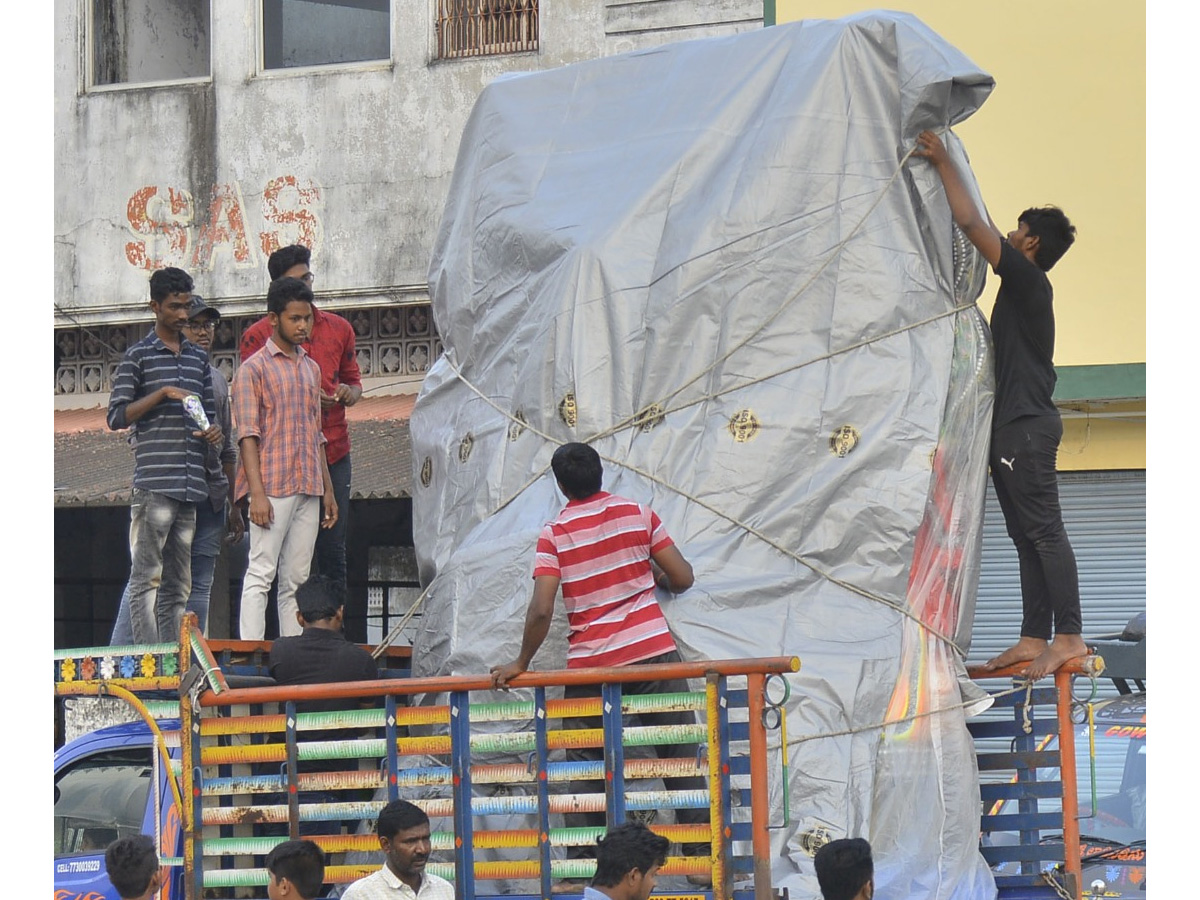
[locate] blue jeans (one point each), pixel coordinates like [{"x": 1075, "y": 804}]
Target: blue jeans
[
  {"x": 206, "y": 547},
  {"x": 329, "y": 554},
  {"x": 160, "y": 572}
]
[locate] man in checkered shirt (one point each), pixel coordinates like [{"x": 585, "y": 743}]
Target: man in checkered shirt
[{"x": 277, "y": 412}]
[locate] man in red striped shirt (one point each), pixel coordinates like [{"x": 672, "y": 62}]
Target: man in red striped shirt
[{"x": 607, "y": 553}]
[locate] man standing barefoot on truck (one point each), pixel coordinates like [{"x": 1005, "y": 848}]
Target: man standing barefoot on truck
[{"x": 1026, "y": 425}]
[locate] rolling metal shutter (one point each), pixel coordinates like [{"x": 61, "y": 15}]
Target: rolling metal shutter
[{"x": 1105, "y": 517}]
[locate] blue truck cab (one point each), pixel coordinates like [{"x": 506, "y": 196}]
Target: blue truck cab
[{"x": 111, "y": 784}]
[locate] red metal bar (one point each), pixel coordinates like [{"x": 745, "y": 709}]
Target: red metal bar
[
  {"x": 1081, "y": 665},
  {"x": 760, "y": 838},
  {"x": 1070, "y": 804},
  {"x": 661, "y": 672}
]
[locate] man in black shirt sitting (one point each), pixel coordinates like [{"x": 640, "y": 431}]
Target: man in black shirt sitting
[{"x": 321, "y": 654}]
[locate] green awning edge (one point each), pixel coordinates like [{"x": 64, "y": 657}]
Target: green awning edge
[{"x": 1118, "y": 381}]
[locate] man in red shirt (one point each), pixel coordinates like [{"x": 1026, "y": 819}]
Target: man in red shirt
[
  {"x": 331, "y": 346},
  {"x": 607, "y": 553}
]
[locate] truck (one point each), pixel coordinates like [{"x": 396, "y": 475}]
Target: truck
[
  {"x": 219, "y": 800},
  {"x": 216, "y": 770}
]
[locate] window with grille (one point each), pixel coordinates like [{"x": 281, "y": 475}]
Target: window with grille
[{"x": 486, "y": 27}]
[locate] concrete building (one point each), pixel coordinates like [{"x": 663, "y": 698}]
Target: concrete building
[{"x": 204, "y": 135}]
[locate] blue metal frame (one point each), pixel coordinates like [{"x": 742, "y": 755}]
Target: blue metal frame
[
  {"x": 460, "y": 765},
  {"x": 543, "y": 788},
  {"x": 614, "y": 753}
]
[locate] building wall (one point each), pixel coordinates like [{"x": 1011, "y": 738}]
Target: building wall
[
  {"x": 211, "y": 173},
  {"x": 1066, "y": 124}
]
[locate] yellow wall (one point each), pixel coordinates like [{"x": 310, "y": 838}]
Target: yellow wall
[
  {"x": 1066, "y": 124},
  {"x": 1098, "y": 444}
]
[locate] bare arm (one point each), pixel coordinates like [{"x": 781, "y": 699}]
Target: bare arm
[
  {"x": 676, "y": 571},
  {"x": 328, "y": 502},
  {"x": 139, "y": 407},
  {"x": 976, "y": 224},
  {"x": 261, "y": 512},
  {"x": 537, "y": 625}
]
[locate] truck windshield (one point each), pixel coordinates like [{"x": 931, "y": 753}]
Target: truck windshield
[
  {"x": 100, "y": 798},
  {"x": 1119, "y": 813}
]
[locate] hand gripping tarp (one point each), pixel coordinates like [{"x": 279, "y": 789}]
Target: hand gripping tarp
[{"x": 717, "y": 263}]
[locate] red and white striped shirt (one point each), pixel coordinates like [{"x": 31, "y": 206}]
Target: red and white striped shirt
[{"x": 600, "y": 549}]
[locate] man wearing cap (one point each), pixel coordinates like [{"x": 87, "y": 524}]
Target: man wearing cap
[{"x": 216, "y": 516}]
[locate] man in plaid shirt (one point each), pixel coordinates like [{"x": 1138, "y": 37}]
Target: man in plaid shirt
[{"x": 277, "y": 412}]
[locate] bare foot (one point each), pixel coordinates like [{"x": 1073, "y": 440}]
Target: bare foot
[
  {"x": 1062, "y": 648},
  {"x": 1026, "y": 649}
]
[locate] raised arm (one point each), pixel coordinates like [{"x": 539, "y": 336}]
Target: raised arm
[{"x": 975, "y": 223}]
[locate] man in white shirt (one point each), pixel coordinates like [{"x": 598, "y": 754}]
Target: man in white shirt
[{"x": 403, "y": 830}]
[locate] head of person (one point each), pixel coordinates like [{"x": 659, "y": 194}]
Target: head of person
[
  {"x": 403, "y": 830},
  {"x": 201, "y": 323},
  {"x": 1044, "y": 231},
  {"x": 170, "y": 297},
  {"x": 578, "y": 470},
  {"x": 627, "y": 861},
  {"x": 320, "y": 603},
  {"x": 290, "y": 310},
  {"x": 291, "y": 261},
  {"x": 133, "y": 867},
  {"x": 845, "y": 870},
  {"x": 295, "y": 871}
]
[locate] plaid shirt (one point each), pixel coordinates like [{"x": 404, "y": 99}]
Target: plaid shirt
[
  {"x": 277, "y": 399},
  {"x": 331, "y": 345}
]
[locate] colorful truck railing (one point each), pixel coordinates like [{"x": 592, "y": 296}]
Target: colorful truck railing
[{"x": 245, "y": 778}]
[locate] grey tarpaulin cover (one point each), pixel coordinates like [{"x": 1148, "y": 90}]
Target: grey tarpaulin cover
[{"x": 712, "y": 261}]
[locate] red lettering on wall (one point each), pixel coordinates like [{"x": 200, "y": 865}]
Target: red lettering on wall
[
  {"x": 292, "y": 204},
  {"x": 163, "y": 223},
  {"x": 225, "y": 228}
]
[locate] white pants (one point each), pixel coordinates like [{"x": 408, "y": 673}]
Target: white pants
[{"x": 287, "y": 546}]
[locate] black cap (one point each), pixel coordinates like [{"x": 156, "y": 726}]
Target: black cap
[{"x": 199, "y": 307}]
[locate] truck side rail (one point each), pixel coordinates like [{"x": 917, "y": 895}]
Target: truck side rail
[
  {"x": 1045, "y": 868},
  {"x": 259, "y": 769}
]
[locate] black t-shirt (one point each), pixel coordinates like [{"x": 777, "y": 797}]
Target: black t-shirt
[
  {"x": 321, "y": 656},
  {"x": 1023, "y": 336}
]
